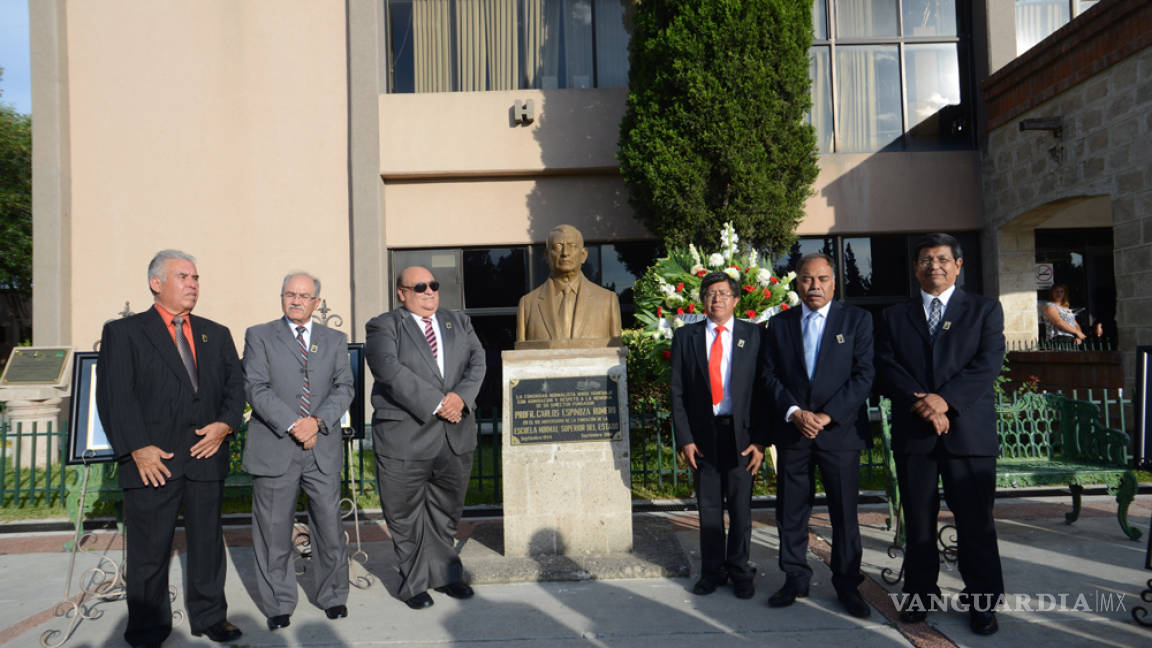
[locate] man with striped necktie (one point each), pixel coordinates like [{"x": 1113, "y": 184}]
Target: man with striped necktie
[
  {"x": 299, "y": 382},
  {"x": 428, "y": 366}
]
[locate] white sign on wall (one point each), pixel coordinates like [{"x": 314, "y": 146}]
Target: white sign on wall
[{"x": 1043, "y": 275}]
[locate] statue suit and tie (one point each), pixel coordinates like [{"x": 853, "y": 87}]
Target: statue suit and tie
[
  {"x": 567, "y": 306},
  {"x": 299, "y": 382},
  {"x": 818, "y": 372},
  {"x": 428, "y": 366}
]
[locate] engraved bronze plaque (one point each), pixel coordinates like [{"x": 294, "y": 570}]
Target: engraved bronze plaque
[
  {"x": 557, "y": 410},
  {"x": 36, "y": 366}
]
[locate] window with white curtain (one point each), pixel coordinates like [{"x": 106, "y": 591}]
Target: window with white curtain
[
  {"x": 475, "y": 45},
  {"x": 889, "y": 75},
  {"x": 1039, "y": 19}
]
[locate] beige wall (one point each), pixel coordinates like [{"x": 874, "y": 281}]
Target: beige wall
[
  {"x": 214, "y": 126},
  {"x": 459, "y": 161}
]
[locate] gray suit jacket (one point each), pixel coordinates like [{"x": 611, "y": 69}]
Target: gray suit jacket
[
  {"x": 272, "y": 381},
  {"x": 409, "y": 386}
]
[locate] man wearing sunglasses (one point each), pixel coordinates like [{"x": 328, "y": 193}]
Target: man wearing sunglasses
[{"x": 428, "y": 366}]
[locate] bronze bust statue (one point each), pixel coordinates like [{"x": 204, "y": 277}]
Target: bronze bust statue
[{"x": 567, "y": 310}]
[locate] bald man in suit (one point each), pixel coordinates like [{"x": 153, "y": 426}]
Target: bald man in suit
[{"x": 428, "y": 366}]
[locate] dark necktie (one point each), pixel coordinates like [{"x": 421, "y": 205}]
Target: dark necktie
[
  {"x": 185, "y": 351},
  {"x": 305, "y": 392},
  {"x": 715, "y": 357},
  {"x": 934, "y": 315}
]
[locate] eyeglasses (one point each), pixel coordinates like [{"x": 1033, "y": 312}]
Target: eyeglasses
[
  {"x": 712, "y": 296},
  {"x": 422, "y": 286},
  {"x": 292, "y": 295},
  {"x": 925, "y": 262}
]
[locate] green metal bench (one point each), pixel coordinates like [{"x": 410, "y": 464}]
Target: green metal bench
[{"x": 1045, "y": 440}]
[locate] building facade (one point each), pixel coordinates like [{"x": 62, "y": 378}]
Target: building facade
[{"x": 354, "y": 137}]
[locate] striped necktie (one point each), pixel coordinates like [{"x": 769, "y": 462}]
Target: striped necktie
[
  {"x": 934, "y": 315},
  {"x": 305, "y": 392},
  {"x": 430, "y": 335}
]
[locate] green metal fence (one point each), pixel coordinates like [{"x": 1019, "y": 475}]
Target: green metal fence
[{"x": 25, "y": 482}]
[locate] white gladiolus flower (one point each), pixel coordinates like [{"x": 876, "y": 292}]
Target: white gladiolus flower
[
  {"x": 668, "y": 333},
  {"x": 716, "y": 260},
  {"x": 667, "y": 289},
  {"x": 791, "y": 277},
  {"x": 697, "y": 269},
  {"x": 728, "y": 240},
  {"x": 695, "y": 253},
  {"x": 732, "y": 271},
  {"x": 677, "y": 323},
  {"x": 764, "y": 277},
  {"x": 793, "y": 298},
  {"x": 752, "y": 257}
]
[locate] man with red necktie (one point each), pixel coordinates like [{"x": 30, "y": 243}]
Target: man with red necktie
[{"x": 719, "y": 431}]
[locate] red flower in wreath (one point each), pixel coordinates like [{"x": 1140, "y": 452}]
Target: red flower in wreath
[
  {"x": 679, "y": 311},
  {"x": 749, "y": 289},
  {"x": 773, "y": 280},
  {"x": 784, "y": 307},
  {"x": 680, "y": 287},
  {"x": 660, "y": 312},
  {"x": 750, "y": 313},
  {"x": 667, "y": 354},
  {"x": 701, "y": 273},
  {"x": 691, "y": 308}
]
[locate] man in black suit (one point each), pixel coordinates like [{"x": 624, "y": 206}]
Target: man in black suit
[
  {"x": 719, "y": 432},
  {"x": 818, "y": 370},
  {"x": 938, "y": 356},
  {"x": 428, "y": 365},
  {"x": 170, "y": 392}
]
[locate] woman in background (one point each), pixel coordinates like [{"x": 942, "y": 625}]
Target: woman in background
[{"x": 1059, "y": 320}]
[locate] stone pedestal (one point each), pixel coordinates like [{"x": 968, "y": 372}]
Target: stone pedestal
[
  {"x": 567, "y": 497},
  {"x": 32, "y": 415}
]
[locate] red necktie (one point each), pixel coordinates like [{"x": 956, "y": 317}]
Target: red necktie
[{"x": 714, "y": 358}]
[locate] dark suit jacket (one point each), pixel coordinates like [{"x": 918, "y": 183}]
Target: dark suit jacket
[
  {"x": 692, "y": 393},
  {"x": 145, "y": 398},
  {"x": 961, "y": 367},
  {"x": 838, "y": 388},
  {"x": 408, "y": 385}
]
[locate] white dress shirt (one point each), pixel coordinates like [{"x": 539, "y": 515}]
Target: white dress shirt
[
  {"x": 926, "y": 301},
  {"x": 724, "y": 407}
]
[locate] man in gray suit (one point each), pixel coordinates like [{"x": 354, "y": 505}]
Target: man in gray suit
[
  {"x": 299, "y": 382},
  {"x": 428, "y": 365}
]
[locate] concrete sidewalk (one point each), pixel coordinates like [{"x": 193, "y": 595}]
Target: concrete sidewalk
[{"x": 1040, "y": 554}]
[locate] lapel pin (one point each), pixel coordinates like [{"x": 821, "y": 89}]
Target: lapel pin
[
  {"x": 839, "y": 338},
  {"x": 204, "y": 338},
  {"x": 447, "y": 325},
  {"x": 740, "y": 343},
  {"x": 313, "y": 349},
  {"x": 947, "y": 325}
]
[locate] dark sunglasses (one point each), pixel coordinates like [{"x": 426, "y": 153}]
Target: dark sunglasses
[{"x": 421, "y": 287}]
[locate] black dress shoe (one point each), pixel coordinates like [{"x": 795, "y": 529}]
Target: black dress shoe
[
  {"x": 913, "y": 616},
  {"x": 420, "y": 601},
  {"x": 708, "y": 584},
  {"x": 456, "y": 590},
  {"x": 337, "y": 611},
  {"x": 744, "y": 589},
  {"x": 786, "y": 596},
  {"x": 220, "y": 632},
  {"x": 983, "y": 623},
  {"x": 855, "y": 604},
  {"x": 279, "y": 621}
]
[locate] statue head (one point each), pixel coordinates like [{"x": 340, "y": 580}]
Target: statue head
[{"x": 566, "y": 252}]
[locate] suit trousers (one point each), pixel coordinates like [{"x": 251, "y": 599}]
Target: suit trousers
[
  {"x": 724, "y": 484},
  {"x": 149, "y": 525},
  {"x": 423, "y": 500},
  {"x": 840, "y": 470},
  {"x": 970, "y": 491},
  {"x": 273, "y": 517}
]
